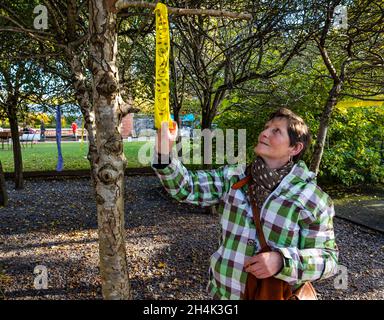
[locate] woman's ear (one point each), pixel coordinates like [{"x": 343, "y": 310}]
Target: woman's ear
[{"x": 296, "y": 149}]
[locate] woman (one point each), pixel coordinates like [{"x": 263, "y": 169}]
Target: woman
[{"x": 295, "y": 214}]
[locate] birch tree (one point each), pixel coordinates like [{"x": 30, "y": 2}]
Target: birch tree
[
  {"x": 68, "y": 36},
  {"x": 110, "y": 162}
]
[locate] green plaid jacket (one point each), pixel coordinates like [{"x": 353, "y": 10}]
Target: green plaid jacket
[{"x": 297, "y": 220}]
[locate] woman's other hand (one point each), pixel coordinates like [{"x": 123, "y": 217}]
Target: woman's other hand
[
  {"x": 165, "y": 138},
  {"x": 264, "y": 265}
]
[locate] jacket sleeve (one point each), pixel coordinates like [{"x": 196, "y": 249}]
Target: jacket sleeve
[
  {"x": 317, "y": 255},
  {"x": 201, "y": 187}
]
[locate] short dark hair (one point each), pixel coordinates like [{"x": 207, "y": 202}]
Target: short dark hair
[{"x": 298, "y": 130}]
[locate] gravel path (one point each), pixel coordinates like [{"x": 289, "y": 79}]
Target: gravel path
[{"x": 53, "y": 223}]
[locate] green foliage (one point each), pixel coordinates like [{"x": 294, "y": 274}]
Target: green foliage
[
  {"x": 252, "y": 121},
  {"x": 354, "y": 151},
  {"x": 355, "y": 146}
]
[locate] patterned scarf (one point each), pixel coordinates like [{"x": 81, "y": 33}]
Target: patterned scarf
[{"x": 265, "y": 180}]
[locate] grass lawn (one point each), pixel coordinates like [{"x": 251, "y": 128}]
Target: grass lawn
[{"x": 43, "y": 156}]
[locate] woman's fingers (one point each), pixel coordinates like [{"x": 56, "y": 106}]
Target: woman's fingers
[
  {"x": 251, "y": 261},
  {"x": 168, "y": 131},
  {"x": 173, "y": 130},
  {"x": 166, "y": 136},
  {"x": 255, "y": 266},
  {"x": 258, "y": 271},
  {"x": 264, "y": 265}
]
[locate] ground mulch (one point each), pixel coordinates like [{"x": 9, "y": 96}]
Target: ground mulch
[{"x": 53, "y": 223}]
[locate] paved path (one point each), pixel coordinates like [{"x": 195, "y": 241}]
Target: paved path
[{"x": 369, "y": 213}]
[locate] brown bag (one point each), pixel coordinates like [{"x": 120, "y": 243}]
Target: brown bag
[{"x": 271, "y": 288}]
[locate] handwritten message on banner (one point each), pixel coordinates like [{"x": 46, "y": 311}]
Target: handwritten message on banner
[{"x": 162, "y": 66}]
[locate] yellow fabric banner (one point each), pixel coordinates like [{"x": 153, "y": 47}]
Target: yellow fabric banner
[{"x": 162, "y": 66}]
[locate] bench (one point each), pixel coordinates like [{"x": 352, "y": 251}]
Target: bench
[{"x": 29, "y": 138}]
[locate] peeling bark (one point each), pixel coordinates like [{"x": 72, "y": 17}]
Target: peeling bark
[
  {"x": 110, "y": 161},
  {"x": 79, "y": 82},
  {"x": 83, "y": 98}
]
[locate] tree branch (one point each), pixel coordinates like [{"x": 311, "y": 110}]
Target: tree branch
[
  {"x": 37, "y": 35},
  {"x": 327, "y": 61},
  {"x": 124, "y": 4},
  {"x": 56, "y": 23}
]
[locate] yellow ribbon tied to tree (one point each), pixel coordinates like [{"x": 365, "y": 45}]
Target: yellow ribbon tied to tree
[{"x": 162, "y": 67}]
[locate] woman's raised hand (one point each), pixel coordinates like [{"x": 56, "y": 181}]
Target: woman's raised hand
[{"x": 166, "y": 138}]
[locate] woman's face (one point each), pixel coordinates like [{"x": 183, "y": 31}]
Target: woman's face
[{"x": 273, "y": 143}]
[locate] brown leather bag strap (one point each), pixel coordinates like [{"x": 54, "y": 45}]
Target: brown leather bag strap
[
  {"x": 255, "y": 211},
  {"x": 256, "y": 219},
  {"x": 239, "y": 184}
]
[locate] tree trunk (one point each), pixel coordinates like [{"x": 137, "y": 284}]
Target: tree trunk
[
  {"x": 205, "y": 124},
  {"x": 209, "y": 111},
  {"x": 205, "y": 116},
  {"x": 324, "y": 123},
  {"x": 175, "y": 97},
  {"x": 83, "y": 98},
  {"x": 17, "y": 156},
  {"x": 110, "y": 161},
  {"x": 3, "y": 189}
]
